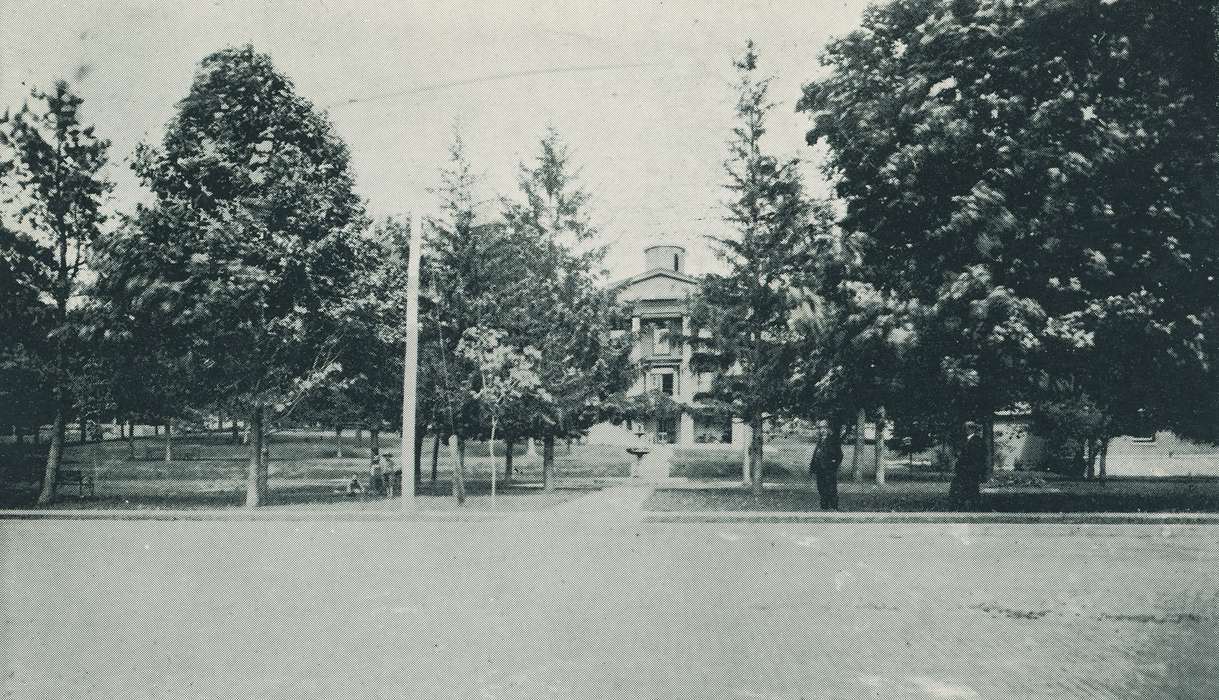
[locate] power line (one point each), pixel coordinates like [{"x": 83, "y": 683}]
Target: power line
[{"x": 487, "y": 78}]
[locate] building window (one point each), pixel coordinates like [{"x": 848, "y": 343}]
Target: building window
[
  {"x": 665, "y": 382},
  {"x": 660, "y": 341},
  {"x": 676, "y": 263}
]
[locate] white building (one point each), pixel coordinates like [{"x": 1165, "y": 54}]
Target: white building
[{"x": 658, "y": 301}]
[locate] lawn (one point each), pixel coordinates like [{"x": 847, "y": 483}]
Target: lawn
[
  {"x": 209, "y": 471},
  {"x": 1118, "y": 495},
  {"x": 784, "y": 461}
]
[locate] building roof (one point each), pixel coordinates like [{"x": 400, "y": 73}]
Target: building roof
[{"x": 657, "y": 272}]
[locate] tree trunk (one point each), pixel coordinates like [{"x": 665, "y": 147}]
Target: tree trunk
[
  {"x": 1090, "y": 458},
  {"x": 435, "y": 457},
  {"x": 256, "y": 485},
  {"x": 49, "y": 478},
  {"x": 169, "y": 440},
  {"x": 131, "y": 441},
  {"x": 757, "y": 456},
  {"x": 374, "y": 443},
  {"x": 338, "y": 444},
  {"x": 548, "y": 463},
  {"x": 878, "y": 453},
  {"x": 491, "y": 450},
  {"x": 236, "y": 436},
  {"x": 459, "y": 472},
  {"x": 747, "y": 460},
  {"x": 418, "y": 456},
  {"x": 18, "y": 435},
  {"x": 988, "y": 437},
  {"x": 156, "y": 429},
  {"x": 95, "y": 460},
  {"x": 359, "y": 436},
  {"x": 509, "y": 446},
  {"x": 1104, "y": 454},
  {"x": 861, "y": 419}
]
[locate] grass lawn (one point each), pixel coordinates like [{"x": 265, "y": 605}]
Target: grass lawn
[
  {"x": 785, "y": 461},
  {"x": 1116, "y": 495},
  {"x": 209, "y": 471}
]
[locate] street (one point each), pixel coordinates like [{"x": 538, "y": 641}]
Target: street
[{"x": 563, "y": 607}]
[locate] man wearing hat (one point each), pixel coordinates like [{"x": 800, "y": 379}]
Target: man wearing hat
[
  {"x": 970, "y": 470},
  {"x": 827, "y": 459}
]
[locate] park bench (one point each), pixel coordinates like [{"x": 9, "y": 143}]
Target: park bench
[{"x": 76, "y": 477}]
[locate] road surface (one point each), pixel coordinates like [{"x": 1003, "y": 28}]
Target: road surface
[{"x": 537, "y": 607}]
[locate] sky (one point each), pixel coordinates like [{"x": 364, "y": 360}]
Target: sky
[{"x": 641, "y": 91}]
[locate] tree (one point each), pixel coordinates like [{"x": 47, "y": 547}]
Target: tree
[
  {"x": 746, "y": 310},
  {"x": 476, "y": 280},
  {"x": 52, "y": 172},
  {"x": 250, "y": 244},
  {"x": 505, "y": 374},
  {"x": 1023, "y": 170},
  {"x": 566, "y": 313},
  {"x": 24, "y": 332},
  {"x": 850, "y": 340}
]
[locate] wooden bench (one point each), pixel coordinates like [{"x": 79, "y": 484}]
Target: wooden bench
[{"x": 78, "y": 478}]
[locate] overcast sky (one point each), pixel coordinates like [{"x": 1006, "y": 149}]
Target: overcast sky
[{"x": 641, "y": 90}]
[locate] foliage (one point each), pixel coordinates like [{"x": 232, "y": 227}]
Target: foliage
[
  {"x": 742, "y": 319},
  {"x": 566, "y": 314},
  {"x": 475, "y": 274},
  {"x": 24, "y": 329},
  {"x": 1034, "y": 176},
  {"x": 505, "y": 373},
  {"x": 52, "y": 176},
  {"x": 250, "y": 245}
]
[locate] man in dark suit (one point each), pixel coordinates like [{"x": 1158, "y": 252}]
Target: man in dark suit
[
  {"x": 971, "y": 470},
  {"x": 827, "y": 458}
]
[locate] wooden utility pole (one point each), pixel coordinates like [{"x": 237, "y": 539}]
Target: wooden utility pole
[{"x": 410, "y": 373}]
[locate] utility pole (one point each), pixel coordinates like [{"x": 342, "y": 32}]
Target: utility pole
[{"x": 410, "y": 370}]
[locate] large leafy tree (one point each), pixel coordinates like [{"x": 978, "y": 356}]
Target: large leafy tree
[
  {"x": 750, "y": 343},
  {"x": 566, "y": 313},
  {"x": 249, "y": 246},
  {"x": 53, "y": 183},
  {"x": 1036, "y": 176}
]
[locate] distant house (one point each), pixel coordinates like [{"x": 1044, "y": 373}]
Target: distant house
[
  {"x": 658, "y": 303},
  {"x": 1152, "y": 453}
]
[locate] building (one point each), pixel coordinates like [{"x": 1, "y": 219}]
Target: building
[{"x": 658, "y": 302}]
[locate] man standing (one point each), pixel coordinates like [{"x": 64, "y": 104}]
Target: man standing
[
  {"x": 827, "y": 459},
  {"x": 970, "y": 471}
]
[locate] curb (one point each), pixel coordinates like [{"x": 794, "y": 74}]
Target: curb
[
  {"x": 679, "y": 517},
  {"x": 933, "y": 518}
]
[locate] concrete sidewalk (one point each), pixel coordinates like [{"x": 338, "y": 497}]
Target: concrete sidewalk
[
  {"x": 932, "y": 518},
  {"x": 616, "y": 505}
]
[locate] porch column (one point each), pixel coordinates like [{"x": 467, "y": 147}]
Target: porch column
[
  {"x": 687, "y": 386},
  {"x": 685, "y": 432}
]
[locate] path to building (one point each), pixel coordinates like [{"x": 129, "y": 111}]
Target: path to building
[{"x": 571, "y": 608}]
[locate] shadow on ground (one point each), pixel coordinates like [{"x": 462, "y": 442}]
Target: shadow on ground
[
  {"x": 1199, "y": 495},
  {"x": 179, "y": 496}
]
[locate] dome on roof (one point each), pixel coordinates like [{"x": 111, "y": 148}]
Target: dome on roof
[{"x": 665, "y": 257}]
